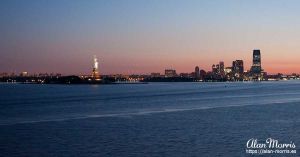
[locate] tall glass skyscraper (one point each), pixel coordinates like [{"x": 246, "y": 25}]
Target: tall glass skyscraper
[{"x": 256, "y": 64}]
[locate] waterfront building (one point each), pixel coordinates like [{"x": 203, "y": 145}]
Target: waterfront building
[
  {"x": 221, "y": 68},
  {"x": 170, "y": 73},
  {"x": 218, "y": 69},
  {"x": 184, "y": 75},
  {"x": 238, "y": 69},
  {"x": 214, "y": 69},
  {"x": 227, "y": 70},
  {"x": 155, "y": 74},
  {"x": 202, "y": 74},
  {"x": 24, "y": 74},
  {"x": 197, "y": 72},
  {"x": 256, "y": 70}
]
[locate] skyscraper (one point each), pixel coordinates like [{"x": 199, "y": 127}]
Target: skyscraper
[
  {"x": 256, "y": 69},
  {"x": 214, "y": 69},
  {"x": 197, "y": 72},
  {"x": 95, "y": 73},
  {"x": 238, "y": 68},
  {"x": 221, "y": 68}
]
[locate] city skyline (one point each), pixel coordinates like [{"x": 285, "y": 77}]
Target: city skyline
[
  {"x": 141, "y": 37},
  {"x": 256, "y": 61}
]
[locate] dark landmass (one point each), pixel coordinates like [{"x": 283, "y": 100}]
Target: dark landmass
[
  {"x": 132, "y": 79},
  {"x": 57, "y": 80}
]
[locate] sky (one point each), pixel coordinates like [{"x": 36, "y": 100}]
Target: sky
[{"x": 144, "y": 36}]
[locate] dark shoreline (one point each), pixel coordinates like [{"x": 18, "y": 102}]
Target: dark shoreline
[
  {"x": 114, "y": 80},
  {"x": 137, "y": 83}
]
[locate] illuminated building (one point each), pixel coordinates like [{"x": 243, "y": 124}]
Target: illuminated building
[
  {"x": 238, "y": 68},
  {"x": 24, "y": 74},
  {"x": 170, "y": 73},
  {"x": 256, "y": 70},
  {"x": 95, "y": 73},
  {"x": 218, "y": 69},
  {"x": 228, "y": 70}
]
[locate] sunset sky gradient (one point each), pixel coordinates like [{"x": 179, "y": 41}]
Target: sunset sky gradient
[{"x": 144, "y": 36}]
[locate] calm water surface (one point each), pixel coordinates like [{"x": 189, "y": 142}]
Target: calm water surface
[{"x": 155, "y": 119}]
